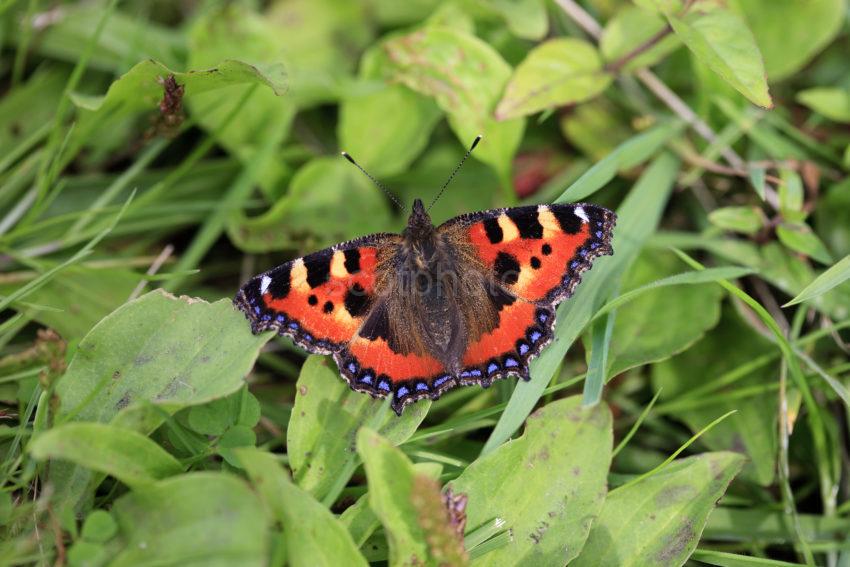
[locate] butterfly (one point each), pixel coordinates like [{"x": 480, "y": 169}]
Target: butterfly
[{"x": 415, "y": 314}]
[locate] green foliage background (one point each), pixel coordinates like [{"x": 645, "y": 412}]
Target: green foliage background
[{"x": 695, "y": 407}]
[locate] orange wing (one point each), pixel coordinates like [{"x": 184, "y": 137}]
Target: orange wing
[
  {"x": 537, "y": 254},
  {"x": 320, "y": 300}
]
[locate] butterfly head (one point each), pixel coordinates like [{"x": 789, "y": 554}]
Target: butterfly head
[{"x": 419, "y": 225}]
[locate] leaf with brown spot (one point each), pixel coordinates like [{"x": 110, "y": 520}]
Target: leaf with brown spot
[
  {"x": 658, "y": 521},
  {"x": 548, "y": 485}
]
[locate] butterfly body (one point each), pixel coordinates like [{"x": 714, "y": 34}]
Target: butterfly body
[{"x": 415, "y": 314}]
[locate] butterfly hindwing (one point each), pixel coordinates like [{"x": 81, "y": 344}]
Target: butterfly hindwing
[{"x": 320, "y": 300}]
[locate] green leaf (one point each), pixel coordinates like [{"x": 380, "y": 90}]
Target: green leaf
[
  {"x": 526, "y": 19},
  {"x": 638, "y": 217},
  {"x": 99, "y": 527},
  {"x": 215, "y": 417},
  {"x": 391, "y": 476},
  {"x": 555, "y": 73},
  {"x": 719, "y": 38},
  {"x": 313, "y": 535},
  {"x": 663, "y": 322},
  {"x": 194, "y": 519},
  {"x": 141, "y": 88},
  {"x": 629, "y": 29},
  {"x": 386, "y": 143},
  {"x": 791, "y": 195},
  {"x": 130, "y": 457},
  {"x": 162, "y": 350},
  {"x": 699, "y": 384},
  {"x": 548, "y": 485},
  {"x": 746, "y": 220},
  {"x": 465, "y": 76},
  {"x": 322, "y": 431},
  {"x": 832, "y": 102},
  {"x": 308, "y": 217},
  {"x": 596, "y": 127},
  {"x": 152, "y": 357},
  {"x": 790, "y": 33},
  {"x": 658, "y": 521},
  {"x": 834, "y": 276},
  {"x": 800, "y": 238}
]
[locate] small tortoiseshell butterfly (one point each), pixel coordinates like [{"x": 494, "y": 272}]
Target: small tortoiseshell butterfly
[{"x": 415, "y": 314}]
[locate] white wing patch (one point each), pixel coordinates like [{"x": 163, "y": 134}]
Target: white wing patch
[
  {"x": 579, "y": 212},
  {"x": 264, "y": 284}
]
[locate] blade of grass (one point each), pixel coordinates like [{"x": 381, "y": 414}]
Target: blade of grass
[
  {"x": 837, "y": 274},
  {"x": 724, "y": 559},
  {"x": 36, "y": 283},
  {"x": 643, "y": 415},
  {"x": 638, "y": 217},
  {"x": 597, "y": 368},
  {"x": 678, "y": 451},
  {"x": 816, "y": 423}
]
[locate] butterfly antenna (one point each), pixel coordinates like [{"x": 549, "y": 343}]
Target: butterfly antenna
[
  {"x": 457, "y": 168},
  {"x": 375, "y": 181}
]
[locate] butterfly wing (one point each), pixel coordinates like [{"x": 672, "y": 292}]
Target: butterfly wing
[
  {"x": 322, "y": 299},
  {"x": 537, "y": 255}
]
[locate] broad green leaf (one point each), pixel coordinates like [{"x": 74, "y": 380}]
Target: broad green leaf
[
  {"x": 82, "y": 297},
  {"x": 663, "y": 322},
  {"x": 360, "y": 521},
  {"x": 465, "y": 76},
  {"x": 386, "y": 143},
  {"x": 151, "y": 357},
  {"x": 203, "y": 519},
  {"x": 658, "y": 521},
  {"x": 217, "y": 416},
  {"x": 525, "y": 18},
  {"x": 790, "y": 33},
  {"x": 140, "y": 88},
  {"x": 746, "y": 220},
  {"x": 720, "y": 38},
  {"x": 391, "y": 480},
  {"x": 555, "y": 73},
  {"x": 832, "y": 102},
  {"x": 800, "y": 238},
  {"x": 313, "y": 535},
  {"x": 630, "y": 28},
  {"x": 548, "y": 485},
  {"x": 834, "y": 276},
  {"x": 130, "y": 457},
  {"x": 321, "y": 437},
  {"x": 638, "y": 217},
  {"x": 309, "y": 216},
  {"x": 693, "y": 385},
  {"x": 791, "y": 195},
  {"x": 159, "y": 349}
]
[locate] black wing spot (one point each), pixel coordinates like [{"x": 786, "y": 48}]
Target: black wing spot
[
  {"x": 526, "y": 222},
  {"x": 328, "y": 307},
  {"x": 493, "y": 230},
  {"x": 281, "y": 282},
  {"x": 312, "y": 300},
  {"x": 356, "y": 301},
  {"x": 318, "y": 268},
  {"x": 499, "y": 296},
  {"x": 569, "y": 221},
  {"x": 377, "y": 326},
  {"x": 352, "y": 260},
  {"x": 546, "y": 250},
  {"x": 535, "y": 262},
  {"x": 507, "y": 268}
]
